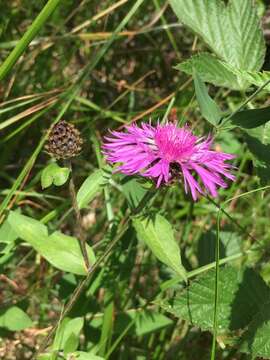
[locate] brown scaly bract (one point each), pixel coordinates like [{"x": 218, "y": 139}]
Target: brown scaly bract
[{"x": 64, "y": 141}]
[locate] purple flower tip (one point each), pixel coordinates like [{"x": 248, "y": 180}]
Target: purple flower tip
[{"x": 161, "y": 152}]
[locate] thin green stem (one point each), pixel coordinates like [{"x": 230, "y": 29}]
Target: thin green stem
[
  {"x": 252, "y": 96},
  {"x": 215, "y": 320},
  {"x": 81, "y": 235},
  {"x": 28, "y": 36}
]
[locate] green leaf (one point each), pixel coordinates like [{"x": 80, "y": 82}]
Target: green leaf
[
  {"x": 232, "y": 31},
  {"x": 256, "y": 341},
  {"x": 67, "y": 335},
  {"x": 241, "y": 295},
  {"x": 209, "y": 109},
  {"x": 47, "y": 356},
  {"x": 90, "y": 188},
  {"x": 158, "y": 235},
  {"x": 81, "y": 355},
  {"x": 133, "y": 191},
  {"x": 258, "y": 141},
  {"x": 62, "y": 251},
  {"x": 253, "y": 118},
  {"x": 251, "y": 77},
  {"x": 229, "y": 245},
  {"x": 212, "y": 70},
  {"x": 14, "y": 319},
  {"x": 54, "y": 174},
  {"x": 7, "y": 241},
  {"x": 145, "y": 322}
]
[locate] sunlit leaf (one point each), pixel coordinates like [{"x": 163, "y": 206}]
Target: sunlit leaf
[
  {"x": 14, "y": 319},
  {"x": 157, "y": 233},
  {"x": 61, "y": 250}
]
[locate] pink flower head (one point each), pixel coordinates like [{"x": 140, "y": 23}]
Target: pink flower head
[{"x": 160, "y": 152}]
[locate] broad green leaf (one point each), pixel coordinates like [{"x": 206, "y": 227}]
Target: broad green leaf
[
  {"x": 61, "y": 250},
  {"x": 90, "y": 188},
  {"x": 250, "y": 77},
  {"x": 241, "y": 295},
  {"x": 253, "y": 118},
  {"x": 157, "y": 233},
  {"x": 67, "y": 335},
  {"x": 81, "y": 355},
  {"x": 14, "y": 319},
  {"x": 209, "y": 109},
  {"x": 212, "y": 70},
  {"x": 232, "y": 31},
  {"x": 54, "y": 174},
  {"x": 256, "y": 341},
  {"x": 64, "y": 252}
]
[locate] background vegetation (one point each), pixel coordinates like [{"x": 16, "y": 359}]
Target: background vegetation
[{"x": 100, "y": 65}]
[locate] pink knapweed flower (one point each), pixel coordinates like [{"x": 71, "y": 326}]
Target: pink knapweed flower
[{"x": 164, "y": 151}]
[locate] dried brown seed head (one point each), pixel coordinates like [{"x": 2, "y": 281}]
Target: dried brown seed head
[{"x": 64, "y": 141}]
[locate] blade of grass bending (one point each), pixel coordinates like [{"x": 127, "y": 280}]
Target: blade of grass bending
[
  {"x": 28, "y": 36},
  {"x": 71, "y": 94}
]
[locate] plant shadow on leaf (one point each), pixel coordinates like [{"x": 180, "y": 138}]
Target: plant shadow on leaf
[
  {"x": 250, "y": 312},
  {"x": 230, "y": 244},
  {"x": 242, "y": 302},
  {"x": 261, "y": 153}
]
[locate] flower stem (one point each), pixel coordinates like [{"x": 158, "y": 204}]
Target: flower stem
[{"x": 81, "y": 235}]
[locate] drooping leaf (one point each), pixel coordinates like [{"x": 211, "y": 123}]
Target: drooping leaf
[
  {"x": 241, "y": 295},
  {"x": 252, "y": 118},
  {"x": 61, "y": 250},
  {"x": 14, "y": 319},
  {"x": 209, "y": 109},
  {"x": 157, "y": 233},
  {"x": 90, "y": 188},
  {"x": 54, "y": 174},
  {"x": 212, "y": 70},
  {"x": 232, "y": 31}
]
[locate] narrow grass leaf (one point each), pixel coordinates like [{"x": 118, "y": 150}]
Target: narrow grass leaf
[{"x": 28, "y": 37}]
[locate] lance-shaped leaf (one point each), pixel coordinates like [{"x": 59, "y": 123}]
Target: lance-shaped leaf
[
  {"x": 157, "y": 234},
  {"x": 209, "y": 109}
]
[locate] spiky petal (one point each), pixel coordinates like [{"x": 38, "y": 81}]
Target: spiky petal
[{"x": 156, "y": 151}]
